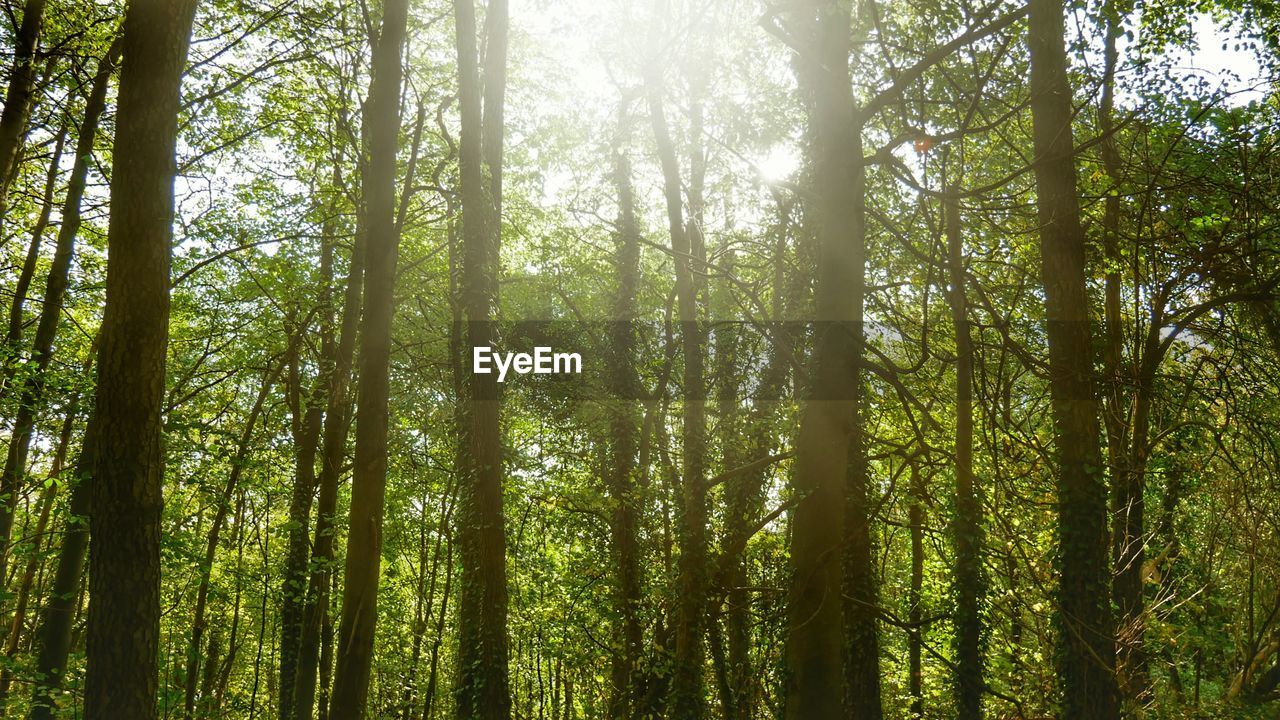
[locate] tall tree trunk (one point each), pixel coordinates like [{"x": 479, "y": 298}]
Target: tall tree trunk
[
  {"x": 1086, "y": 662},
  {"x": 368, "y": 488},
  {"x": 686, "y": 692},
  {"x": 306, "y": 428},
  {"x": 483, "y": 682},
  {"x": 1127, "y": 504},
  {"x": 124, "y": 567},
  {"x": 13, "y": 476},
  {"x": 18, "y": 97},
  {"x": 830, "y": 426},
  {"x": 625, "y": 389},
  {"x": 337, "y": 423},
  {"x": 970, "y": 582}
]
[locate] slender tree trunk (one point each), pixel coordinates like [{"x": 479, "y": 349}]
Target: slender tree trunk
[
  {"x": 368, "y": 489},
  {"x": 211, "y": 545},
  {"x": 53, "y": 635},
  {"x": 483, "y": 684},
  {"x": 1086, "y": 662},
  {"x": 438, "y": 639},
  {"x": 337, "y": 423},
  {"x": 625, "y": 389},
  {"x": 915, "y": 633},
  {"x": 1127, "y": 462},
  {"x": 970, "y": 583},
  {"x": 18, "y": 97},
  {"x": 124, "y": 568},
  {"x": 306, "y": 433},
  {"x": 11, "y": 352},
  {"x": 686, "y": 693}
]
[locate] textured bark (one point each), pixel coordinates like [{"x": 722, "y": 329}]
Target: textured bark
[
  {"x": 970, "y": 580},
  {"x": 19, "y": 95},
  {"x": 623, "y": 421},
  {"x": 1086, "y": 658},
  {"x": 199, "y": 620},
  {"x": 368, "y": 487},
  {"x": 124, "y": 567},
  {"x": 482, "y": 690}
]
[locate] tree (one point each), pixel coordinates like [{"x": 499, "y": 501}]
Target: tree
[
  {"x": 364, "y": 546},
  {"x": 124, "y": 525},
  {"x": 1086, "y": 657},
  {"x": 482, "y": 685},
  {"x": 19, "y": 95}
]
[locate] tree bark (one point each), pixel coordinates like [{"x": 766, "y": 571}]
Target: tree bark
[
  {"x": 124, "y": 567},
  {"x": 36, "y": 561},
  {"x": 32, "y": 390},
  {"x": 13, "y": 476},
  {"x": 368, "y": 488},
  {"x": 53, "y": 635},
  {"x": 306, "y": 428},
  {"x": 1086, "y": 662},
  {"x": 483, "y": 683},
  {"x": 11, "y": 352}
]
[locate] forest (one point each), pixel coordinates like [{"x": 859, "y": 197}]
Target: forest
[{"x": 927, "y": 359}]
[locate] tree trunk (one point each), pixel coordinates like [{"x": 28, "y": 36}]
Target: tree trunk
[
  {"x": 970, "y": 582},
  {"x": 124, "y": 568},
  {"x": 35, "y": 561},
  {"x": 625, "y": 389},
  {"x": 1086, "y": 662},
  {"x": 915, "y": 632},
  {"x": 11, "y": 351},
  {"x": 53, "y": 635},
  {"x": 306, "y": 438},
  {"x": 830, "y": 417},
  {"x": 686, "y": 693},
  {"x": 337, "y": 423},
  {"x": 483, "y": 681},
  {"x": 18, "y": 97},
  {"x": 368, "y": 488}
]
